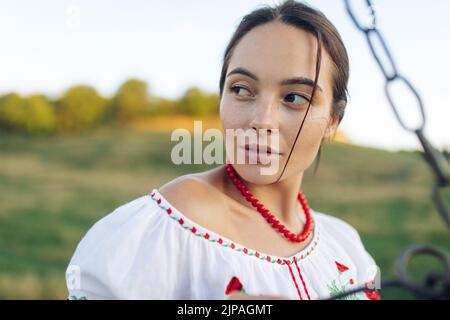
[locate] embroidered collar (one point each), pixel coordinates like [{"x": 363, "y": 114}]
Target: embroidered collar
[{"x": 213, "y": 237}]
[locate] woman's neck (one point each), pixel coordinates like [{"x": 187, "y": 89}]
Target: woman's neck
[{"x": 279, "y": 198}]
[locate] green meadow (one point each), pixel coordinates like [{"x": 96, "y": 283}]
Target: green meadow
[{"x": 53, "y": 189}]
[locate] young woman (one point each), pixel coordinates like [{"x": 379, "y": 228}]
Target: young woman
[{"x": 233, "y": 232}]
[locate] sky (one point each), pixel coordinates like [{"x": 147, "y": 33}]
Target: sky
[{"x": 47, "y": 46}]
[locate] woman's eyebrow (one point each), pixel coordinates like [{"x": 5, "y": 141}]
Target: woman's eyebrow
[{"x": 296, "y": 80}]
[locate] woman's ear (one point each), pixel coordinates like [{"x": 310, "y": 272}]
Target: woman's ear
[
  {"x": 330, "y": 131},
  {"x": 335, "y": 119}
]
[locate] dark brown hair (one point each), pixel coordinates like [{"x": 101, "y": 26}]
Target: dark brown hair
[{"x": 304, "y": 17}]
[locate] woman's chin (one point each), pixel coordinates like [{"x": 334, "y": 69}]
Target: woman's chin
[{"x": 258, "y": 173}]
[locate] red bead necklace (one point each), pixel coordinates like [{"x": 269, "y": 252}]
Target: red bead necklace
[{"x": 307, "y": 228}]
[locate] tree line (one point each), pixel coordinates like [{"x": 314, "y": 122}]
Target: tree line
[{"x": 81, "y": 108}]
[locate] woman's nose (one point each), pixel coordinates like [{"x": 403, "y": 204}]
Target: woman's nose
[{"x": 265, "y": 115}]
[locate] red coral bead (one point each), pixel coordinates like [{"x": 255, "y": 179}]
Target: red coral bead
[
  {"x": 286, "y": 233},
  {"x": 265, "y": 214},
  {"x": 276, "y": 223}
]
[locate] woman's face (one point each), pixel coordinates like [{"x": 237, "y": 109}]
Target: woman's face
[{"x": 255, "y": 98}]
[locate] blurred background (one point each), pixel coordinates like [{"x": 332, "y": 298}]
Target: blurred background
[{"x": 91, "y": 91}]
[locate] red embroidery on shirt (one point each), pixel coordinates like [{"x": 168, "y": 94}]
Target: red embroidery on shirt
[
  {"x": 234, "y": 285},
  {"x": 288, "y": 263},
  {"x": 341, "y": 267},
  {"x": 372, "y": 295},
  {"x": 301, "y": 278},
  {"x": 231, "y": 245}
]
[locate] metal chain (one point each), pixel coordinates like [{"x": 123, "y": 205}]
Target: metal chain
[{"x": 437, "y": 285}]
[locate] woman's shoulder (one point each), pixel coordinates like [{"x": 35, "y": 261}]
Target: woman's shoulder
[
  {"x": 340, "y": 231},
  {"x": 337, "y": 226},
  {"x": 343, "y": 237},
  {"x": 196, "y": 197},
  {"x": 122, "y": 218},
  {"x": 185, "y": 193}
]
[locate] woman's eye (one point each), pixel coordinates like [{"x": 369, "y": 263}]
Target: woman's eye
[
  {"x": 238, "y": 90},
  {"x": 296, "y": 99}
]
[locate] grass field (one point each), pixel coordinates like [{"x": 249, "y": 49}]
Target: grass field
[{"x": 52, "y": 189}]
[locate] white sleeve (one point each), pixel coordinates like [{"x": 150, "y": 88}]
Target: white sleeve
[
  {"x": 105, "y": 254},
  {"x": 349, "y": 238}
]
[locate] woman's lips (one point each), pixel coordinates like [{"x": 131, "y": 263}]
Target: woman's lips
[
  {"x": 260, "y": 157},
  {"x": 261, "y": 149},
  {"x": 260, "y": 154}
]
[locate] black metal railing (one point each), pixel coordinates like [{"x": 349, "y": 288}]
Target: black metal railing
[{"x": 436, "y": 284}]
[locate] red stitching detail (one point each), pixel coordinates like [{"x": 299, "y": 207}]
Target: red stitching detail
[
  {"x": 301, "y": 278},
  {"x": 232, "y": 245},
  {"x": 293, "y": 278}
]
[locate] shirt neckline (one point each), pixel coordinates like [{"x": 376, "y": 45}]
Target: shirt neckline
[{"x": 211, "y": 236}]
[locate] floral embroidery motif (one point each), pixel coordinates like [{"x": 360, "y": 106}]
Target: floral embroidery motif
[
  {"x": 341, "y": 267},
  {"x": 336, "y": 287},
  {"x": 231, "y": 245},
  {"x": 372, "y": 295},
  {"x": 234, "y": 285}
]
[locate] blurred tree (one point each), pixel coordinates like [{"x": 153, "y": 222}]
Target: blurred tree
[
  {"x": 196, "y": 102},
  {"x": 80, "y": 108},
  {"x": 33, "y": 114},
  {"x": 130, "y": 101},
  {"x": 164, "y": 106}
]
